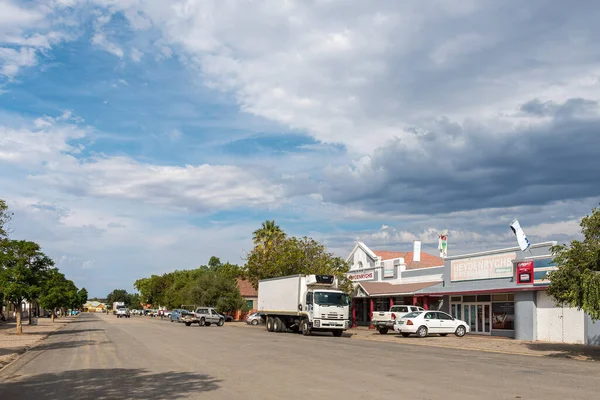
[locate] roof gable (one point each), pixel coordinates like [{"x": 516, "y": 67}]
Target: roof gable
[
  {"x": 246, "y": 288},
  {"x": 363, "y": 247},
  {"x": 389, "y": 255}
]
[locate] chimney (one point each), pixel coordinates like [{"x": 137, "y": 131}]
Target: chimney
[{"x": 417, "y": 250}]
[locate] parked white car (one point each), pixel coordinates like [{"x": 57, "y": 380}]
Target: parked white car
[{"x": 423, "y": 323}]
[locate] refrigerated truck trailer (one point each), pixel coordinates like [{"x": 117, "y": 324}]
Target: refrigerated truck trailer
[{"x": 303, "y": 303}]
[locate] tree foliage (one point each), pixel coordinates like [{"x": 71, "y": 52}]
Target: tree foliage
[
  {"x": 119, "y": 295},
  {"x": 577, "y": 280},
  {"x": 5, "y": 217},
  {"x": 23, "y": 267},
  {"x": 59, "y": 292},
  {"x": 209, "y": 285},
  {"x": 291, "y": 255}
]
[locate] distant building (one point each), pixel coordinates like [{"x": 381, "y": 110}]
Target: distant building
[
  {"x": 94, "y": 306},
  {"x": 250, "y": 295}
]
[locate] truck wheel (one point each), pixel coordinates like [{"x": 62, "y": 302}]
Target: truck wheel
[
  {"x": 337, "y": 333},
  {"x": 277, "y": 325},
  {"x": 221, "y": 322},
  {"x": 270, "y": 324},
  {"x": 202, "y": 322},
  {"x": 305, "y": 328},
  {"x": 383, "y": 331}
]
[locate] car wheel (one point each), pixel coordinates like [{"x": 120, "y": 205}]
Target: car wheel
[
  {"x": 443, "y": 334},
  {"x": 383, "y": 331},
  {"x": 460, "y": 331},
  {"x": 254, "y": 322},
  {"x": 270, "y": 324},
  {"x": 422, "y": 331},
  {"x": 304, "y": 327},
  {"x": 405, "y": 334},
  {"x": 221, "y": 322},
  {"x": 202, "y": 322}
]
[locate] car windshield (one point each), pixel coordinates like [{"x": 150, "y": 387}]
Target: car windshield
[
  {"x": 413, "y": 314},
  {"x": 331, "y": 298}
]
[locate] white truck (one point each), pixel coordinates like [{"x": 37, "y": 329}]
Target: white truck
[
  {"x": 303, "y": 303},
  {"x": 120, "y": 310},
  {"x": 384, "y": 320}
]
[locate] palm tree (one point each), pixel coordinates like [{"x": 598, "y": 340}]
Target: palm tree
[{"x": 268, "y": 234}]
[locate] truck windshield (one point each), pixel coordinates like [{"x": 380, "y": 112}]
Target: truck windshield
[{"x": 331, "y": 299}]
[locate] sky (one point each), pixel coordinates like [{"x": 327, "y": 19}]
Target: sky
[{"x": 142, "y": 136}]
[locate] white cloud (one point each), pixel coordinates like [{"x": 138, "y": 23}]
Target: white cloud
[
  {"x": 50, "y": 150},
  {"x": 100, "y": 40},
  {"x": 136, "y": 55},
  {"x": 13, "y": 60}
]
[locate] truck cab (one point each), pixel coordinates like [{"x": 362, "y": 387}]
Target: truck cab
[{"x": 327, "y": 309}]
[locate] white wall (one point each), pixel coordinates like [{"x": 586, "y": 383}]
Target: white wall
[{"x": 558, "y": 324}]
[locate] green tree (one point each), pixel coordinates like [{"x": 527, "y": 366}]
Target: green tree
[
  {"x": 214, "y": 262},
  {"x": 135, "y": 300},
  {"x": 291, "y": 256},
  {"x": 120, "y": 295},
  {"x": 23, "y": 267},
  {"x": 577, "y": 280},
  {"x": 82, "y": 298},
  {"x": 268, "y": 235},
  {"x": 5, "y": 217}
]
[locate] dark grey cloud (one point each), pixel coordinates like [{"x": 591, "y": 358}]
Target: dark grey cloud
[{"x": 469, "y": 167}]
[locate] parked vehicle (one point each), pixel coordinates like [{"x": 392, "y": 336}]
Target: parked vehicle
[
  {"x": 123, "y": 312},
  {"x": 303, "y": 303},
  {"x": 174, "y": 315},
  {"x": 255, "y": 319},
  {"x": 384, "y": 320},
  {"x": 228, "y": 318},
  {"x": 423, "y": 323},
  {"x": 116, "y": 305},
  {"x": 203, "y": 316}
]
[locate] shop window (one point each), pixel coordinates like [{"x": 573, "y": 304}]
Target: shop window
[
  {"x": 484, "y": 297},
  {"x": 456, "y": 298},
  {"x": 469, "y": 299},
  {"x": 503, "y": 315}
]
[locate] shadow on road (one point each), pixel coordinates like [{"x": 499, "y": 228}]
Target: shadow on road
[
  {"x": 563, "y": 350},
  {"x": 99, "y": 384},
  {"x": 50, "y": 346}
]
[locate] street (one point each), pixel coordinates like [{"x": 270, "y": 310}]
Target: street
[{"x": 102, "y": 357}]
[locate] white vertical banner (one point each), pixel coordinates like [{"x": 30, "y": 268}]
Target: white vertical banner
[
  {"x": 521, "y": 238},
  {"x": 417, "y": 250}
]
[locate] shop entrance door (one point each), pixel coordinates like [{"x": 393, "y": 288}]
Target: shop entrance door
[{"x": 477, "y": 315}]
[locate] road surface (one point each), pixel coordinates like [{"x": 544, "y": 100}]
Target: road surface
[{"x": 102, "y": 357}]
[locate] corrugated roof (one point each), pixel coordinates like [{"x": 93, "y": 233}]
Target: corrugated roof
[
  {"x": 246, "y": 288},
  {"x": 385, "y": 288},
  {"x": 427, "y": 261}
]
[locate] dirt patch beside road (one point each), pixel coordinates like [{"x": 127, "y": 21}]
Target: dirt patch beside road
[{"x": 13, "y": 345}]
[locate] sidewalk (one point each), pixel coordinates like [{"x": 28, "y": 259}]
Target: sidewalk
[
  {"x": 12, "y": 345},
  {"x": 490, "y": 344}
]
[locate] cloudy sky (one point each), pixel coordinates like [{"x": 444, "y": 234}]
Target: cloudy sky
[{"x": 137, "y": 137}]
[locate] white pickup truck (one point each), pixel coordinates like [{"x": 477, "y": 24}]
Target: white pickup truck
[{"x": 384, "y": 320}]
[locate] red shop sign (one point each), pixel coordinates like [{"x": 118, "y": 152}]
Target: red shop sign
[{"x": 525, "y": 272}]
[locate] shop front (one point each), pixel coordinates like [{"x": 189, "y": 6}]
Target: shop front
[
  {"x": 370, "y": 297},
  {"x": 495, "y": 292}
]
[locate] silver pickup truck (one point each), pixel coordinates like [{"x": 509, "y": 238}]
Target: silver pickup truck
[
  {"x": 203, "y": 316},
  {"x": 384, "y": 320}
]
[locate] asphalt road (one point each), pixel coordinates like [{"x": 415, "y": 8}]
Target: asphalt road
[{"x": 102, "y": 357}]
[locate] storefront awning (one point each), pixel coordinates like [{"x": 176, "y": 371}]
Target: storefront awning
[{"x": 377, "y": 289}]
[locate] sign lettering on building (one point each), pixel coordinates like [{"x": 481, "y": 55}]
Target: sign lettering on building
[
  {"x": 486, "y": 267},
  {"x": 361, "y": 277}
]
